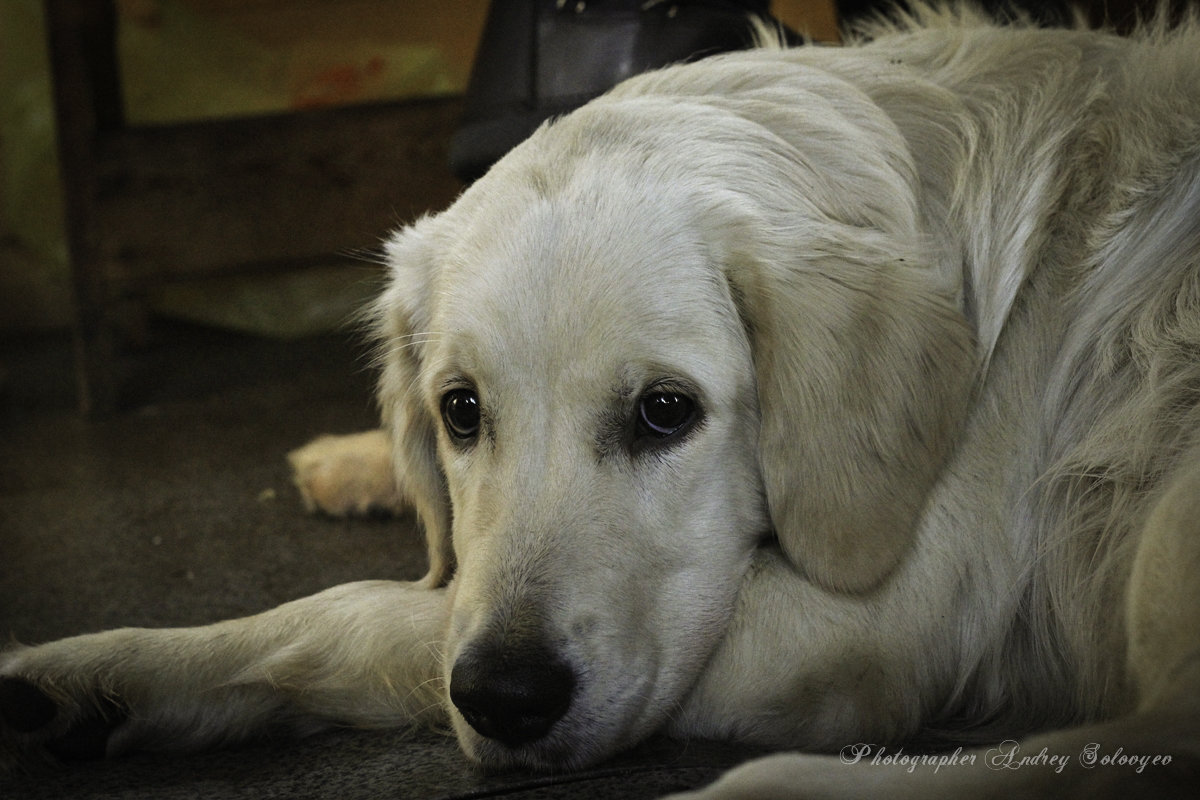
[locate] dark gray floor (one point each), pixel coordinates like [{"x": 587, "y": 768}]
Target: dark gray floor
[{"x": 179, "y": 511}]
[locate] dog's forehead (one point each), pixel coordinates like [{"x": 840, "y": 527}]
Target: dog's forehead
[
  {"x": 605, "y": 265},
  {"x": 564, "y": 254}
]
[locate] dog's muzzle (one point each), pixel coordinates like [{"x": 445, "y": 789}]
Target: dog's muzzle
[{"x": 513, "y": 695}]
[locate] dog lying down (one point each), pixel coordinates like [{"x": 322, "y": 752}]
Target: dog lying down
[{"x": 825, "y": 399}]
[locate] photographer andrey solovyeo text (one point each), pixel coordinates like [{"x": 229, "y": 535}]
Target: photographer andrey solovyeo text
[{"x": 1006, "y": 755}]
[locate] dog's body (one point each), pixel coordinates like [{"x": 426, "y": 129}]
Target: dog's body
[{"x": 805, "y": 398}]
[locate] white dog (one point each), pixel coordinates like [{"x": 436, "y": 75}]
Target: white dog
[{"x": 820, "y": 399}]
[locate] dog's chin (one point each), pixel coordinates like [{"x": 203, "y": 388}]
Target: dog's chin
[{"x": 569, "y": 746}]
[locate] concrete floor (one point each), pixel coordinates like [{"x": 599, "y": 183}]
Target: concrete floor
[{"x": 179, "y": 511}]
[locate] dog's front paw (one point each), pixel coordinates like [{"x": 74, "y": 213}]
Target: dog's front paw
[
  {"x": 109, "y": 693},
  {"x": 347, "y": 475},
  {"x": 43, "y": 719}
]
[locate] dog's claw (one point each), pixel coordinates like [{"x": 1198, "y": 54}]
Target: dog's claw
[{"x": 24, "y": 707}]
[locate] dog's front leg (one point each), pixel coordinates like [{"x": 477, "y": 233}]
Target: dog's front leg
[{"x": 362, "y": 654}]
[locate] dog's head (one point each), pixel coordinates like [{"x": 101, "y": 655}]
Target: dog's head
[{"x": 655, "y": 335}]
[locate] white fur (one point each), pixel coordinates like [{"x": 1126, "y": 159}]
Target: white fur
[{"x": 937, "y": 296}]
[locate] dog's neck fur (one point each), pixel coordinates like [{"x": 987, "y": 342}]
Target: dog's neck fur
[
  {"x": 980, "y": 208},
  {"x": 1005, "y": 224}
]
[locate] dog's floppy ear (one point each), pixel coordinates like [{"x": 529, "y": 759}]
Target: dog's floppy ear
[
  {"x": 863, "y": 369},
  {"x": 402, "y": 328}
]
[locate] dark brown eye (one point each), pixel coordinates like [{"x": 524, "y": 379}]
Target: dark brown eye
[
  {"x": 663, "y": 414},
  {"x": 460, "y": 414}
]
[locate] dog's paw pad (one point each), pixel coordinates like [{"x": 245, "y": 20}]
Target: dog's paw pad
[
  {"x": 24, "y": 707},
  {"x": 87, "y": 738}
]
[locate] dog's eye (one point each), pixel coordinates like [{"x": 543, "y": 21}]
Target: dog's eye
[
  {"x": 460, "y": 413},
  {"x": 663, "y": 414}
]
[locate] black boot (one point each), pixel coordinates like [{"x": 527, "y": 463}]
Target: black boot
[{"x": 542, "y": 58}]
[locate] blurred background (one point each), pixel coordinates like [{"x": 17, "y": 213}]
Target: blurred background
[{"x": 226, "y": 162}]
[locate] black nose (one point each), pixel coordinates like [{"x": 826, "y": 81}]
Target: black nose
[{"x": 513, "y": 696}]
